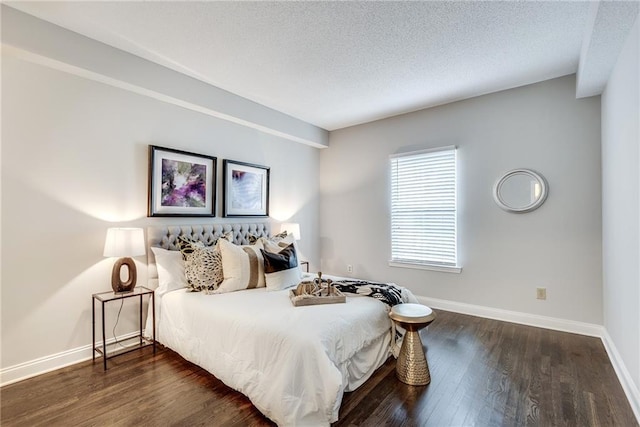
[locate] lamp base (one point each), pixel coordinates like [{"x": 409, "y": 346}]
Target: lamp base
[{"x": 120, "y": 287}]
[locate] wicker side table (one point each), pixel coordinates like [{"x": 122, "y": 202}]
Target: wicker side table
[{"x": 412, "y": 367}]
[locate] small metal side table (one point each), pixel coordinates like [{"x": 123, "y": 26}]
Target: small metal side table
[
  {"x": 412, "y": 367},
  {"x": 305, "y": 263},
  {"x": 104, "y": 298}
]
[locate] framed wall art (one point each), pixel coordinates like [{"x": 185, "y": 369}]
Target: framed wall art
[
  {"x": 246, "y": 189},
  {"x": 181, "y": 183}
]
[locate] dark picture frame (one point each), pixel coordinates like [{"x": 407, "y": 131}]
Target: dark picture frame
[
  {"x": 246, "y": 189},
  {"x": 181, "y": 183}
]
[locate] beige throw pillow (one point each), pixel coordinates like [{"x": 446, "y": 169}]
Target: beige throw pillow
[{"x": 242, "y": 266}]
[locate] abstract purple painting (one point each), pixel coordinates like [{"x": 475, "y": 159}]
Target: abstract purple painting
[{"x": 181, "y": 183}]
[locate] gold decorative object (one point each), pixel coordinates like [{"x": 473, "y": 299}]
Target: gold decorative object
[
  {"x": 411, "y": 366},
  {"x": 306, "y": 289}
]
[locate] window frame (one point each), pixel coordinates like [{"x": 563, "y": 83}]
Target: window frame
[{"x": 426, "y": 264}]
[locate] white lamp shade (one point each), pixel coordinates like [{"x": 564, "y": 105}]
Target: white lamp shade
[
  {"x": 124, "y": 242},
  {"x": 291, "y": 228}
]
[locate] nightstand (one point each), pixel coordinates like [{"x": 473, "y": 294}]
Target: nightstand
[
  {"x": 132, "y": 343},
  {"x": 305, "y": 263}
]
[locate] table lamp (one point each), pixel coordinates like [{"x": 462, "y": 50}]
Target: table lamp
[{"x": 124, "y": 243}]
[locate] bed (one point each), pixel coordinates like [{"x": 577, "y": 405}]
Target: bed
[{"x": 293, "y": 363}]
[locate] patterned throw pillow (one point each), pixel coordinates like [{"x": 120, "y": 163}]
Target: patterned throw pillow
[
  {"x": 187, "y": 244},
  {"x": 203, "y": 269},
  {"x": 275, "y": 239}
]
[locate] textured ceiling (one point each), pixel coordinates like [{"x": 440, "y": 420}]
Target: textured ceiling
[{"x": 335, "y": 64}]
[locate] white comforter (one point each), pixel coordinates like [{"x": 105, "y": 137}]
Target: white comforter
[{"x": 294, "y": 363}]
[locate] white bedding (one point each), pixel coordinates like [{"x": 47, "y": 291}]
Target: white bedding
[{"x": 294, "y": 363}]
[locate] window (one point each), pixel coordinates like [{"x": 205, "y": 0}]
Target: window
[{"x": 423, "y": 210}]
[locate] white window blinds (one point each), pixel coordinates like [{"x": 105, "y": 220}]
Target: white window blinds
[{"x": 423, "y": 208}]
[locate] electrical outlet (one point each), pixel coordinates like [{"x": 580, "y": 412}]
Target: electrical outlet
[
  {"x": 541, "y": 293},
  {"x": 349, "y": 268}
]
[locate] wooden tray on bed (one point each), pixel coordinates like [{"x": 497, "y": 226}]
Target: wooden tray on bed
[{"x": 299, "y": 300}]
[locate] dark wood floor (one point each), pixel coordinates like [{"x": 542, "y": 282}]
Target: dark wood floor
[{"x": 484, "y": 373}]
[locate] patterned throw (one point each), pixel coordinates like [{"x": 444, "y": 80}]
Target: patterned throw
[{"x": 388, "y": 293}]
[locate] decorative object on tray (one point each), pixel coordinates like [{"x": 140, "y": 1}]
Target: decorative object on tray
[
  {"x": 124, "y": 243},
  {"x": 317, "y": 292},
  {"x": 181, "y": 183},
  {"x": 246, "y": 189}
]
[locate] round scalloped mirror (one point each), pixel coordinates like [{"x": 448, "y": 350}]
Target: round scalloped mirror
[{"x": 520, "y": 191}]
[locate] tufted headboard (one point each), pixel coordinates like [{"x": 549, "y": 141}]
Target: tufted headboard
[{"x": 166, "y": 238}]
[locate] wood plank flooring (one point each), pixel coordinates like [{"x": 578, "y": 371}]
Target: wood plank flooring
[{"x": 483, "y": 373}]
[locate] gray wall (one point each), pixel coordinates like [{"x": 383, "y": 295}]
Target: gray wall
[
  {"x": 74, "y": 162},
  {"x": 621, "y": 209},
  {"x": 42, "y": 42},
  {"x": 504, "y": 256}
]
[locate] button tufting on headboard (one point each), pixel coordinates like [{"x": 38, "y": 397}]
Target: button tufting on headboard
[{"x": 166, "y": 237}]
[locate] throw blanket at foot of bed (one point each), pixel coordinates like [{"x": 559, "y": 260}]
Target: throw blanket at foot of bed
[{"x": 389, "y": 293}]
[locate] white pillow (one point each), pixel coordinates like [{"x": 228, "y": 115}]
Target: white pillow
[
  {"x": 170, "y": 270},
  {"x": 242, "y": 266}
]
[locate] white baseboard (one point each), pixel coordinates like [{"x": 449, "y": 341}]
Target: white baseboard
[
  {"x": 556, "y": 324},
  {"x": 582, "y": 328},
  {"x": 629, "y": 387},
  {"x": 29, "y": 369}
]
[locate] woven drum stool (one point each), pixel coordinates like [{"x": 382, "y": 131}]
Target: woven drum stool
[{"x": 411, "y": 367}]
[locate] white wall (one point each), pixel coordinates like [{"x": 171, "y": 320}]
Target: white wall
[
  {"x": 74, "y": 160},
  {"x": 504, "y": 256},
  {"x": 621, "y": 209}
]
